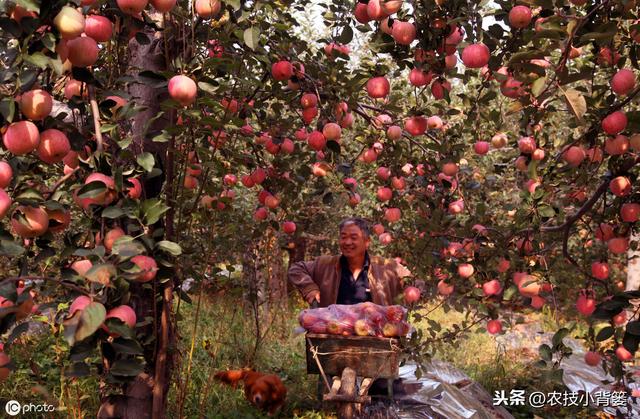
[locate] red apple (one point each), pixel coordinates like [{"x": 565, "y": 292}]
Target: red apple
[
  {"x": 585, "y": 305},
  {"x": 419, "y": 78},
  {"x": 494, "y": 326},
  {"x": 475, "y": 55},
  {"x": 600, "y": 270},
  {"x": 309, "y": 100},
  {"x": 6, "y": 174},
  {"x": 411, "y": 295},
  {"x": 519, "y": 17},
  {"x": 332, "y": 131},
  {"x": 98, "y": 27},
  {"x": 444, "y": 288},
  {"x": 481, "y": 147},
  {"x": 592, "y": 358},
  {"x": 21, "y": 138},
  {"x": 282, "y": 70},
  {"x": 132, "y": 7},
  {"x": 623, "y": 354},
  {"x": 183, "y": 90},
  {"x": 378, "y": 87},
  {"x": 415, "y": 125},
  {"x": 111, "y": 236},
  {"x": 618, "y": 245},
  {"x": 614, "y": 123},
  {"x": 617, "y": 145},
  {"x": 125, "y": 314},
  {"x": 465, "y": 270},
  {"x": 207, "y": 8},
  {"x": 81, "y": 266},
  {"x": 630, "y": 212},
  {"x": 492, "y": 287},
  {"x": 289, "y": 227},
  {"x": 147, "y": 266},
  {"x": 623, "y": 82},
  {"x": 394, "y": 132},
  {"x": 163, "y": 6},
  {"x": 403, "y": 32},
  {"x": 36, "y": 219},
  {"x": 36, "y": 104},
  {"x": 53, "y": 147},
  {"x": 135, "y": 190},
  {"x": 384, "y": 194},
  {"x": 79, "y": 304},
  {"x": 392, "y": 214},
  {"x": 574, "y": 155},
  {"x": 620, "y": 186},
  {"x": 5, "y": 203},
  {"x": 69, "y": 22},
  {"x": 316, "y": 140}
]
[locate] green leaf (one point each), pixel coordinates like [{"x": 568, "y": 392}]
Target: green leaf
[
  {"x": 70, "y": 326},
  {"x": 30, "y": 5},
  {"x": 559, "y": 335},
  {"x": 126, "y": 367},
  {"x": 545, "y": 352},
  {"x": 90, "y": 320},
  {"x": 112, "y": 212},
  {"x": 252, "y": 37},
  {"x": 207, "y": 87},
  {"x": 49, "y": 41},
  {"x": 538, "y": 86},
  {"x": 146, "y": 161},
  {"x": 603, "y": 35},
  {"x": 633, "y": 328},
  {"x": 118, "y": 328},
  {"x": 8, "y": 108},
  {"x": 126, "y": 247},
  {"x": 15, "y": 334},
  {"x": 169, "y": 247},
  {"x": 127, "y": 346},
  {"x": 142, "y": 38},
  {"x": 346, "y": 35},
  {"x": 38, "y": 59},
  {"x": 556, "y": 376},
  {"x": 576, "y": 102},
  {"x": 77, "y": 369},
  {"x": 605, "y": 333},
  {"x": 546, "y": 211},
  {"x": 101, "y": 273},
  {"x": 92, "y": 190},
  {"x": 152, "y": 210},
  {"x": 10, "y": 248}
]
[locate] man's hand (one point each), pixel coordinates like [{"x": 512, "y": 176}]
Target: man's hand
[{"x": 313, "y": 296}]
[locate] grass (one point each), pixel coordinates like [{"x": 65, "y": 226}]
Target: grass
[{"x": 224, "y": 339}]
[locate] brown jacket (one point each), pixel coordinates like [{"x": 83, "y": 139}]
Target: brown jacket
[{"x": 323, "y": 274}]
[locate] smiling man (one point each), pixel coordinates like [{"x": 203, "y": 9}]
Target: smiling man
[{"x": 352, "y": 277}]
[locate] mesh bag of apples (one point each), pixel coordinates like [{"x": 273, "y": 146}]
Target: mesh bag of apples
[{"x": 363, "y": 319}]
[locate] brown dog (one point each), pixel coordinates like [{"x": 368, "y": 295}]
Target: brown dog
[{"x": 265, "y": 391}]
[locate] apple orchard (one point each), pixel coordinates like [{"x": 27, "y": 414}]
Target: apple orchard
[{"x": 493, "y": 145}]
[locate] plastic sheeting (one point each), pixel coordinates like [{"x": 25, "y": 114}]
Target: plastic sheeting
[
  {"x": 443, "y": 392},
  {"x": 577, "y": 375}
]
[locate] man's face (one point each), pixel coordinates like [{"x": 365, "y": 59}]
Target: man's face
[{"x": 352, "y": 241}]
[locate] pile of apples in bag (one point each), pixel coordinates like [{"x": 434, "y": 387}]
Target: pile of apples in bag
[{"x": 363, "y": 319}]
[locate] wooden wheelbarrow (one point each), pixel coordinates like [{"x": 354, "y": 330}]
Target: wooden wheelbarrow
[{"x": 345, "y": 358}]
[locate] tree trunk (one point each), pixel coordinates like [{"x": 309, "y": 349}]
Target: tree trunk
[
  {"x": 633, "y": 265},
  {"x": 146, "y": 396}
]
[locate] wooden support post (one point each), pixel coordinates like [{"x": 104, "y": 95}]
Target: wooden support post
[{"x": 348, "y": 390}]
